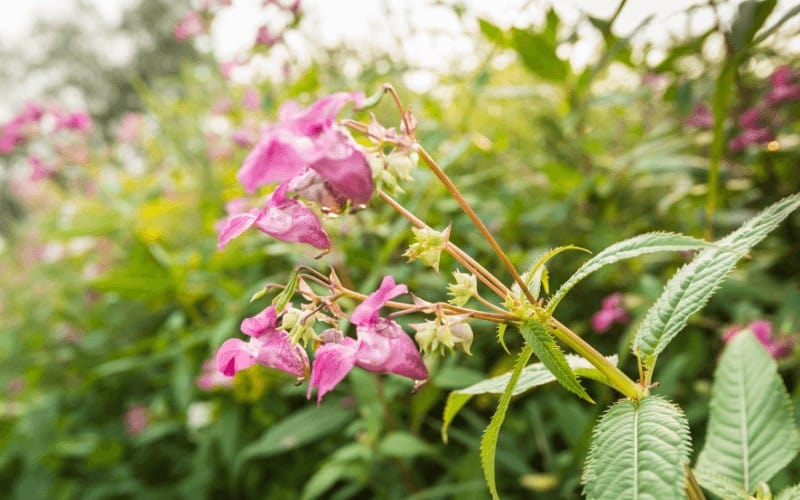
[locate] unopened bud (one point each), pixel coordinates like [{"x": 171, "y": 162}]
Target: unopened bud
[
  {"x": 428, "y": 245},
  {"x": 465, "y": 287},
  {"x": 400, "y": 164},
  {"x": 300, "y": 326}
]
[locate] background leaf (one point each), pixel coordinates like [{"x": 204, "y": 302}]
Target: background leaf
[{"x": 751, "y": 430}]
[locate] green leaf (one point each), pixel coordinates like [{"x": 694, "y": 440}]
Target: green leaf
[
  {"x": 287, "y": 293},
  {"x": 776, "y": 25},
  {"x": 720, "y": 486},
  {"x": 302, "y": 427},
  {"x": 694, "y": 284},
  {"x": 790, "y": 493},
  {"x": 632, "y": 247},
  {"x": 404, "y": 445},
  {"x": 551, "y": 356},
  {"x": 493, "y": 33},
  {"x": 751, "y": 430},
  {"x": 639, "y": 450},
  {"x": 749, "y": 19},
  {"x": 492, "y": 432},
  {"x": 533, "y": 375},
  {"x": 536, "y": 278},
  {"x": 501, "y": 336},
  {"x": 538, "y": 55}
]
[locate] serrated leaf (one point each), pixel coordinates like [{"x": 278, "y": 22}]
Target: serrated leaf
[
  {"x": 533, "y": 375},
  {"x": 639, "y": 450},
  {"x": 694, "y": 284},
  {"x": 536, "y": 277},
  {"x": 302, "y": 427},
  {"x": 492, "y": 431},
  {"x": 790, "y": 493},
  {"x": 626, "y": 249},
  {"x": 501, "y": 336},
  {"x": 751, "y": 430},
  {"x": 720, "y": 486},
  {"x": 548, "y": 352}
]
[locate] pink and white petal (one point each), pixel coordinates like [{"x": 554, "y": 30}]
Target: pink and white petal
[
  {"x": 367, "y": 312},
  {"x": 233, "y": 356},
  {"x": 234, "y": 226},
  {"x": 374, "y": 349},
  {"x": 332, "y": 363},
  {"x": 274, "y": 158},
  {"x": 346, "y": 169},
  {"x": 289, "y": 220},
  {"x": 405, "y": 359},
  {"x": 320, "y": 115},
  {"x": 261, "y": 323},
  {"x": 278, "y": 352}
]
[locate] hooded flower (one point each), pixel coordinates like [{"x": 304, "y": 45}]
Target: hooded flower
[
  {"x": 308, "y": 138},
  {"x": 762, "y": 330},
  {"x": 381, "y": 346},
  {"x": 268, "y": 346},
  {"x": 611, "y": 312},
  {"x": 283, "y": 218}
]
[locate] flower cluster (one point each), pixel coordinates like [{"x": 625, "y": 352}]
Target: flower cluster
[
  {"x": 611, "y": 312},
  {"x": 777, "y": 347},
  {"x": 380, "y": 346},
  {"x": 759, "y": 123},
  {"x": 306, "y": 153}
]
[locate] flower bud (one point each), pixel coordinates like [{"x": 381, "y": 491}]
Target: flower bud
[
  {"x": 462, "y": 334},
  {"x": 428, "y": 245},
  {"x": 400, "y": 165},
  {"x": 300, "y": 326},
  {"x": 465, "y": 287},
  {"x": 426, "y": 336}
]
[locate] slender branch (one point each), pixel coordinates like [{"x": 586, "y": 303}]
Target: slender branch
[{"x": 693, "y": 490}]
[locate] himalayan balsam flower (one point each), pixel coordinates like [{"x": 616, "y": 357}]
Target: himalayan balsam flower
[
  {"x": 251, "y": 99},
  {"x": 283, "y": 218},
  {"x": 700, "y": 118},
  {"x": 79, "y": 121},
  {"x": 785, "y": 86},
  {"x": 611, "y": 312},
  {"x": 189, "y": 26},
  {"x": 38, "y": 170},
  {"x": 381, "y": 346},
  {"x": 762, "y": 330},
  {"x": 268, "y": 346},
  {"x": 265, "y": 38}
]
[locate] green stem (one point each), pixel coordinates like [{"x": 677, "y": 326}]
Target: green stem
[
  {"x": 693, "y": 490},
  {"x": 616, "y": 377}
]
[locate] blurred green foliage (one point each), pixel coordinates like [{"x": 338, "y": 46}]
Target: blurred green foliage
[{"x": 113, "y": 292}]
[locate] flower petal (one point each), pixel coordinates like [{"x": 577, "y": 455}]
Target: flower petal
[
  {"x": 289, "y": 220},
  {"x": 367, "y": 312},
  {"x": 275, "y": 158},
  {"x": 389, "y": 349},
  {"x": 233, "y": 356},
  {"x": 234, "y": 226},
  {"x": 343, "y": 165},
  {"x": 277, "y": 351},
  {"x": 260, "y": 324},
  {"x": 332, "y": 363}
]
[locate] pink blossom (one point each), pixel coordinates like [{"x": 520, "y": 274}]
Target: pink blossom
[
  {"x": 38, "y": 170},
  {"x": 211, "y": 378},
  {"x": 32, "y": 112},
  {"x": 283, "y": 218},
  {"x": 750, "y": 136},
  {"x": 227, "y": 67},
  {"x": 11, "y": 136},
  {"x": 268, "y": 346},
  {"x": 308, "y": 138},
  {"x": 785, "y": 87},
  {"x": 129, "y": 127},
  {"x": 265, "y": 38},
  {"x": 243, "y": 137},
  {"x": 778, "y": 348},
  {"x": 79, "y": 121},
  {"x": 611, "y": 312},
  {"x": 701, "y": 117},
  {"x": 189, "y": 26},
  {"x": 251, "y": 100},
  {"x": 381, "y": 346},
  {"x": 136, "y": 420}
]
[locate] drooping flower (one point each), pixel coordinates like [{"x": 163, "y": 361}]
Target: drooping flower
[
  {"x": 778, "y": 348},
  {"x": 268, "y": 346},
  {"x": 283, "y": 218},
  {"x": 381, "y": 346},
  {"x": 309, "y": 139},
  {"x": 611, "y": 312}
]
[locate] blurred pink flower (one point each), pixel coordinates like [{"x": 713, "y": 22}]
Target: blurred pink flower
[
  {"x": 243, "y": 137},
  {"x": 211, "y": 378},
  {"x": 38, "y": 170},
  {"x": 227, "y": 67},
  {"x": 189, "y": 26},
  {"x": 12, "y": 135},
  {"x": 308, "y": 138},
  {"x": 221, "y": 106},
  {"x": 78, "y": 121},
  {"x": 265, "y": 38},
  {"x": 785, "y": 86},
  {"x": 251, "y": 100},
  {"x": 381, "y": 347},
  {"x": 129, "y": 127},
  {"x": 268, "y": 346},
  {"x": 611, "y": 312},
  {"x": 762, "y": 330},
  {"x": 750, "y": 136},
  {"x": 136, "y": 420},
  {"x": 701, "y": 117},
  {"x": 283, "y": 218}
]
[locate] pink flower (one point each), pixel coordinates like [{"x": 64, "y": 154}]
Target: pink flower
[
  {"x": 382, "y": 346},
  {"x": 611, "y": 312},
  {"x": 762, "y": 330},
  {"x": 243, "y": 137},
  {"x": 32, "y": 112},
  {"x": 221, "y": 106},
  {"x": 79, "y": 121},
  {"x": 136, "y": 420},
  {"x": 268, "y": 346},
  {"x": 251, "y": 100},
  {"x": 785, "y": 86},
  {"x": 750, "y": 136},
  {"x": 212, "y": 378},
  {"x": 11, "y": 136},
  {"x": 129, "y": 127},
  {"x": 189, "y": 26},
  {"x": 308, "y": 138},
  {"x": 265, "y": 38},
  {"x": 283, "y": 218},
  {"x": 701, "y": 117},
  {"x": 38, "y": 170},
  {"x": 227, "y": 67}
]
